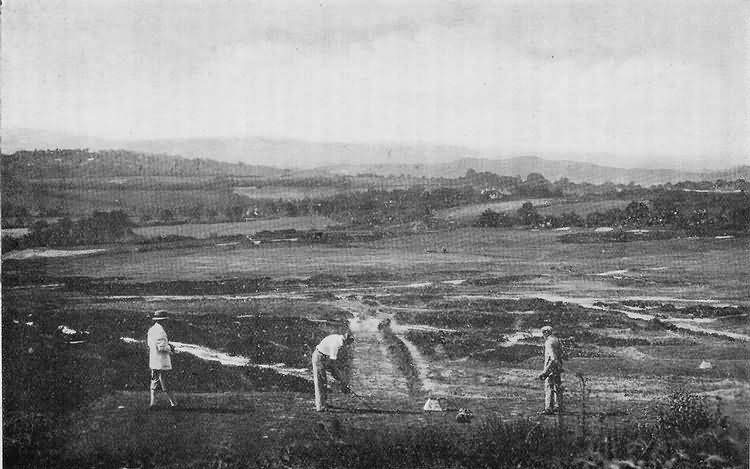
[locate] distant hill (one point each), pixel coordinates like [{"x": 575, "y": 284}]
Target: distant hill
[
  {"x": 551, "y": 169},
  {"x": 279, "y": 153},
  {"x": 32, "y": 139},
  {"x": 732, "y": 174},
  {"x": 262, "y": 155},
  {"x": 297, "y": 154},
  {"x": 54, "y": 164}
]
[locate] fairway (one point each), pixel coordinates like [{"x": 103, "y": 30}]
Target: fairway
[
  {"x": 212, "y": 230},
  {"x": 696, "y": 268}
]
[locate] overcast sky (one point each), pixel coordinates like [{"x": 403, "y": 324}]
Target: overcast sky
[{"x": 652, "y": 83}]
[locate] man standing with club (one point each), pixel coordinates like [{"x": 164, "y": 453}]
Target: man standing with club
[
  {"x": 159, "y": 358},
  {"x": 552, "y": 374},
  {"x": 329, "y": 357}
]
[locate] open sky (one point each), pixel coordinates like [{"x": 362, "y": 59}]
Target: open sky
[{"x": 641, "y": 83}]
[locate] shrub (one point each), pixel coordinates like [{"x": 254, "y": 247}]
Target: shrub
[{"x": 683, "y": 413}]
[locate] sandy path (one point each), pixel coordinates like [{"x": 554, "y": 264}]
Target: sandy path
[{"x": 373, "y": 370}]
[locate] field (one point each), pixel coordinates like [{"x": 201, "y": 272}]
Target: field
[
  {"x": 465, "y": 306},
  {"x": 471, "y": 212},
  {"x": 583, "y": 208},
  {"x": 80, "y": 201},
  {"x": 544, "y": 207},
  {"x": 360, "y": 183},
  {"x": 212, "y": 230},
  {"x": 289, "y": 192}
]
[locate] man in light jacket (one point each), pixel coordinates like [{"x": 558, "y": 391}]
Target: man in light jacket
[
  {"x": 160, "y": 357},
  {"x": 552, "y": 373},
  {"x": 327, "y": 358}
]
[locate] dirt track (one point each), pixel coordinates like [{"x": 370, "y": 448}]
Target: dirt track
[{"x": 374, "y": 372}]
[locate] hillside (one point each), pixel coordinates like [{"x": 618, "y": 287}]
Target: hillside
[
  {"x": 55, "y": 164},
  {"x": 280, "y": 153},
  {"x": 551, "y": 169},
  {"x": 296, "y": 153},
  {"x": 51, "y": 183},
  {"x": 219, "y": 156}
]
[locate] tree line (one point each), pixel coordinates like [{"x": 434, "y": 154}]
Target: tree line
[
  {"x": 696, "y": 213},
  {"x": 100, "y": 227}
]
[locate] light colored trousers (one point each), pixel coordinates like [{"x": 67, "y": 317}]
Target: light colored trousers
[
  {"x": 320, "y": 379},
  {"x": 553, "y": 393}
]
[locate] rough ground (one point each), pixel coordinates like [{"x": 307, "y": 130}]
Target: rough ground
[
  {"x": 225, "y": 425},
  {"x": 260, "y": 304}
]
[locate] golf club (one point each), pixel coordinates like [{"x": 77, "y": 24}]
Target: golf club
[{"x": 362, "y": 400}]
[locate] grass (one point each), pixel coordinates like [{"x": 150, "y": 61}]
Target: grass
[
  {"x": 471, "y": 212},
  {"x": 222, "y": 307},
  {"x": 62, "y": 407},
  {"x": 80, "y": 202},
  {"x": 582, "y": 208},
  {"x": 666, "y": 266},
  {"x": 680, "y": 431},
  {"x": 213, "y": 230},
  {"x": 618, "y": 236},
  {"x": 292, "y": 192},
  {"x": 483, "y": 345},
  {"x": 356, "y": 184}
]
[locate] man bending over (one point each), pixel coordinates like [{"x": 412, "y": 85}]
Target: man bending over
[{"x": 327, "y": 357}]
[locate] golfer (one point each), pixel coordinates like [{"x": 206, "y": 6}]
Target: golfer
[
  {"x": 552, "y": 373},
  {"x": 159, "y": 357},
  {"x": 327, "y": 357}
]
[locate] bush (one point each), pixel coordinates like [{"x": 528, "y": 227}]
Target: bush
[{"x": 682, "y": 413}]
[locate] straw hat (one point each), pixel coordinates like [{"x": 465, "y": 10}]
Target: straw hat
[{"x": 159, "y": 315}]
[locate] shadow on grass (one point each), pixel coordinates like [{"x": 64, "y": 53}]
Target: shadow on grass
[
  {"x": 202, "y": 410},
  {"x": 359, "y": 410}
]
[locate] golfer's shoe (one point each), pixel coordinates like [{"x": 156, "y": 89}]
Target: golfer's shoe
[
  {"x": 321, "y": 409},
  {"x": 547, "y": 412}
]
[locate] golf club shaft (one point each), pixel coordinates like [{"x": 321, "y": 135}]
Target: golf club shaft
[{"x": 361, "y": 399}]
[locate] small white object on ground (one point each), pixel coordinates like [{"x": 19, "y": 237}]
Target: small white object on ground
[
  {"x": 433, "y": 405},
  {"x": 67, "y": 330}
]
